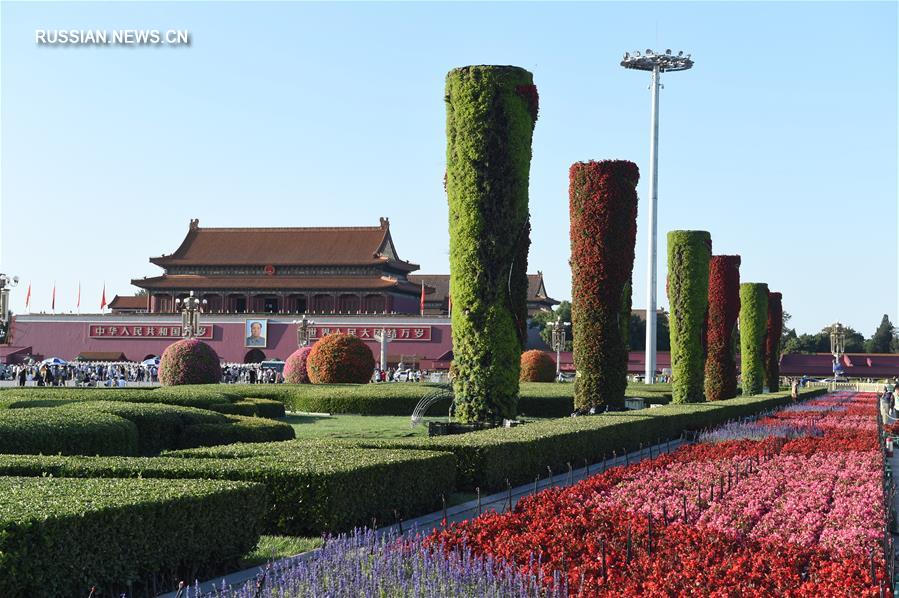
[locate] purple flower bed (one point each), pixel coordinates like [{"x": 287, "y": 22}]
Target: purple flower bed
[{"x": 364, "y": 564}]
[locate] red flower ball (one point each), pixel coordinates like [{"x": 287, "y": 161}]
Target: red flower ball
[
  {"x": 537, "y": 366},
  {"x": 295, "y": 367},
  {"x": 340, "y": 358},
  {"x": 189, "y": 361}
]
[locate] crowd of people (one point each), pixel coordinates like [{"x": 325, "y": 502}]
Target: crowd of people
[
  {"x": 89, "y": 373},
  {"x": 251, "y": 373}
]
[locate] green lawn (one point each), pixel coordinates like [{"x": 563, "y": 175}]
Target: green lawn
[
  {"x": 308, "y": 425},
  {"x": 272, "y": 548}
]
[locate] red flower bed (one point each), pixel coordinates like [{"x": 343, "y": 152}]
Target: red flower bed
[{"x": 800, "y": 517}]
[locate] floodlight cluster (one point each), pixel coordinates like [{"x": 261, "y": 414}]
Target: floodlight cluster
[{"x": 648, "y": 60}]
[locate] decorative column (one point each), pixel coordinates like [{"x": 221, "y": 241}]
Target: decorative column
[
  {"x": 490, "y": 117},
  {"x": 603, "y": 210},
  {"x": 689, "y": 252},
  {"x": 753, "y": 318},
  {"x": 724, "y": 309},
  {"x": 774, "y": 330}
]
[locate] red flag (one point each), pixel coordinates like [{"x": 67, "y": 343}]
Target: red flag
[
  {"x": 847, "y": 361},
  {"x": 78, "y": 299},
  {"x": 28, "y": 296},
  {"x": 53, "y": 299},
  {"x": 103, "y": 299},
  {"x": 422, "y": 297}
]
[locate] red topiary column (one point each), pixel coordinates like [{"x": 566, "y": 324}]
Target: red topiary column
[
  {"x": 295, "y": 367},
  {"x": 340, "y": 358},
  {"x": 537, "y": 366},
  {"x": 724, "y": 310},
  {"x": 772, "y": 341},
  {"x": 603, "y": 208}
]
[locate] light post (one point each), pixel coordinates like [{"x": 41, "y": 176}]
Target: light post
[
  {"x": 837, "y": 348},
  {"x": 303, "y": 330},
  {"x": 656, "y": 64},
  {"x": 559, "y": 332},
  {"x": 190, "y": 315},
  {"x": 6, "y": 283},
  {"x": 382, "y": 337}
]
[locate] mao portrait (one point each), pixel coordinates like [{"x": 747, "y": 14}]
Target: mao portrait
[{"x": 256, "y": 331}]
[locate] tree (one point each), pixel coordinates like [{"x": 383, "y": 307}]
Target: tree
[
  {"x": 883, "y": 339},
  {"x": 638, "y": 333},
  {"x": 542, "y": 320}
]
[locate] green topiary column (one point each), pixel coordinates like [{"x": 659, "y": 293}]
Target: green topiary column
[
  {"x": 490, "y": 116},
  {"x": 603, "y": 211},
  {"x": 773, "y": 332},
  {"x": 753, "y": 318},
  {"x": 689, "y": 252}
]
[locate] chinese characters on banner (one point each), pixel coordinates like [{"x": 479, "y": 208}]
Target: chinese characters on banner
[
  {"x": 143, "y": 331},
  {"x": 394, "y": 333}
]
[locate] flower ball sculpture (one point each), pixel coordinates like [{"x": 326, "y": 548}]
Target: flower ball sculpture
[
  {"x": 295, "y": 367},
  {"x": 537, "y": 366},
  {"x": 189, "y": 361},
  {"x": 340, "y": 358}
]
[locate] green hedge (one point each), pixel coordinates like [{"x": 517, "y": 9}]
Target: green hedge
[
  {"x": 251, "y": 407},
  {"x": 689, "y": 252},
  {"x": 753, "y": 319},
  {"x": 486, "y": 459},
  {"x": 186, "y": 396},
  {"x": 60, "y": 537},
  {"x": 61, "y": 430},
  {"x": 319, "y": 487},
  {"x": 490, "y": 116},
  {"x": 120, "y": 428}
]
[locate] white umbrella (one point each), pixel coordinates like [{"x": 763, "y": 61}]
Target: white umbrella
[
  {"x": 151, "y": 361},
  {"x": 54, "y": 361}
]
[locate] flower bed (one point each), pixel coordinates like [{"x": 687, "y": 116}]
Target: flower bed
[{"x": 799, "y": 514}]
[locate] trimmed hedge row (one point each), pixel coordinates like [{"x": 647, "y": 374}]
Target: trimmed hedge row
[
  {"x": 487, "y": 458},
  {"x": 119, "y": 428},
  {"x": 186, "y": 396},
  {"x": 60, "y": 537},
  {"x": 322, "y": 487},
  {"x": 251, "y": 407},
  {"x": 59, "y": 430}
]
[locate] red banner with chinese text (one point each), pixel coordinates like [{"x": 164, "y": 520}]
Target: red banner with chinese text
[
  {"x": 394, "y": 333},
  {"x": 120, "y": 331}
]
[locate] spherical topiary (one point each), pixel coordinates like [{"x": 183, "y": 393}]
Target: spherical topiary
[
  {"x": 295, "y": 367},
  {"x": 189, "y": 361},
  {"x": 340, "y": 358},
  {"x": 537, "y": 366}
]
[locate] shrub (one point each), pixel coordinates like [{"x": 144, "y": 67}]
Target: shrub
[
  {"x": 189, "y": 361},
  {"x": 310, "y": 487},
  {"x": 237, "y": 428},
  {"x": 603, "y": 207},
  {"x": 773, "y": 332},
  {"x": 537, "y": 366},
  {"x": 295, "y": 367},
  {"x": 753, "y": 316},
  {"x": 251, "y": 407},
  {"x": 340, "y": 358},
  {"x": 724, "y": 308},
  {"x": 60, "y": 537},
  {"x": 62, "y": 430},
  {"x": 491, "y": 111},
  {"x": 689, "y": 252}
]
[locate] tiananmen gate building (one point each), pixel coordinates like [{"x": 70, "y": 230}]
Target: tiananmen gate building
[{"x": 346, "y": 279}]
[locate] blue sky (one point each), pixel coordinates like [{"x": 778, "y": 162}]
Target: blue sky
[{"x": 782, "y": 140}]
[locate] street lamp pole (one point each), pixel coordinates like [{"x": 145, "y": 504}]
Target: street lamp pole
[
  {"x": 190, "y": 315},
  {"x": 303, "y": 330},
  {"x": 656, "y": 64},
  {"x": 558, "y": 342},
  {"x": 6, "y": 282}
]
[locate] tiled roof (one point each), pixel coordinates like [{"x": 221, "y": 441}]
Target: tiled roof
[
  {"x": 882, "y": 365},
  {"x": 286, "y": 246},
  {"x": 275, "y": 283},
  {"x": 132, "y": 302},
  {"x": 440, "y": 282}
]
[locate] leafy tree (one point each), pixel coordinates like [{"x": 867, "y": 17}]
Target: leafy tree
[
  {"x": 638, "y": 333},
  {"x": 542, "y": 320},
  {"x": 883, "y": 339}
]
